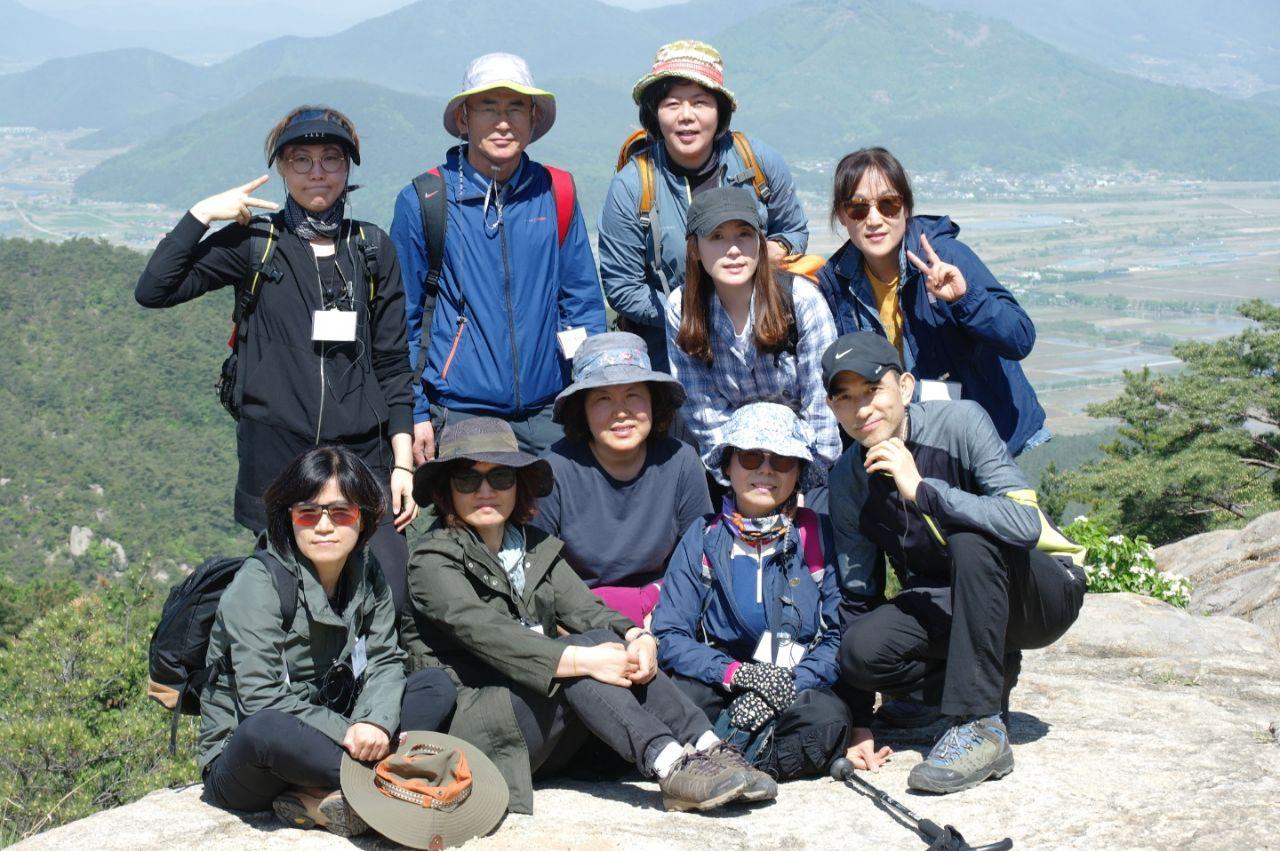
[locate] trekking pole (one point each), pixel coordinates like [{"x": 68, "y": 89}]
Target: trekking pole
[{"x": 945, "y": 838}]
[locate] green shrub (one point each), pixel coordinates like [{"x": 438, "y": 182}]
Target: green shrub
[{"x": 1121, "y": 563}]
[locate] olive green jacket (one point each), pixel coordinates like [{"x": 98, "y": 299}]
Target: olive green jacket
[
  {"x": 464, "y": 616},
  {"x": 272, "y": 669}
]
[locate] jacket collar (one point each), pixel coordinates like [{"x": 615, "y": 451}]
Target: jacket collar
[
  {"x": 355, "y": 574},
  {"x": 473, "y": 185},
  {"x": 464, "y": 545}
]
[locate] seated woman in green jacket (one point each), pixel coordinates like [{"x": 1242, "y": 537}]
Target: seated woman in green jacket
[
  {"x": 488, "y": 595},
  {"x": 295, "y": 697}
]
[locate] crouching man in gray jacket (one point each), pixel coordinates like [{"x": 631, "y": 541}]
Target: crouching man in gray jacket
[{"x": 930, "y": 489}]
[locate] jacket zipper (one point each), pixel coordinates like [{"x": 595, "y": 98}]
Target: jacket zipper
[{"x": 511, "y": 318}]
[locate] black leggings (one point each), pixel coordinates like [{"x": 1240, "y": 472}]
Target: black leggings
[{"x": 270, "y": 751}]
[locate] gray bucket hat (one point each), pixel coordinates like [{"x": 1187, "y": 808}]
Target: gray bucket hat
[
  {"x": 772, "y": 427},
  {"x": 501, "y": 71},
  {"x": 486, "y": 439},
  {"x": 609, "y": 359},
  {"x": 435, "y": 791}
]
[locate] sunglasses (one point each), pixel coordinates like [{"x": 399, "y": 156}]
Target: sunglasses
[
  {"x": 751, "y": 459},
  {"x": 499, "y": 478},
  {"x": 858, "y": 208},
  {"x": 308, "y": 514}
]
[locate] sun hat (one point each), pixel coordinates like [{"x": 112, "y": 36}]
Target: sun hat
[
  {"x": 695, "y": 61},
  {"x": 502, "y": 71},
  {"x": 486, "y": 439},
  {"x": 609, "y": 359},
  {"x": 435, "y": 791},
  {"x": 864, "y": 352},
  {"x": 312, "y": 126},
  {"x": 713, "y": 207},
  {"x": 769, "y": 426}
]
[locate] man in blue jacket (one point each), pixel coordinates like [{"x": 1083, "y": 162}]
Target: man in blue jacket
[
  {"x": 516, "y": 292},
  {"x": 930, "y": 488}
]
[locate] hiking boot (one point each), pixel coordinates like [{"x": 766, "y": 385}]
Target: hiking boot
[
  {"x": 698, "y": 782},
  {"x": 760, "y": 786},
  {"x": 304, "y": 810},
  {"x": 906, "y": 713},
  {"x": 964, "y": 756}
]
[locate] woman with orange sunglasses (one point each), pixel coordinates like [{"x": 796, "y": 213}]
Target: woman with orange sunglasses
[{"x": 909, "y": 279}]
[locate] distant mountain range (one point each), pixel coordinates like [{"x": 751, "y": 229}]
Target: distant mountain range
[{"x": 945, "y": 90}]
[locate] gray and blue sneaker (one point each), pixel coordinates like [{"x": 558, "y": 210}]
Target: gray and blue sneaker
[{"x": 964, "y": 756}]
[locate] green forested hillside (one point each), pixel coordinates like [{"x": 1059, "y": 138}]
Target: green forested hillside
[{"x": 108, "y": 413}]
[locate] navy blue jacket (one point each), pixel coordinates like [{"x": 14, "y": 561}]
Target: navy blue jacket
[
  {"x": 700, "y": 634},
  {"x": 976, "y": 340}
]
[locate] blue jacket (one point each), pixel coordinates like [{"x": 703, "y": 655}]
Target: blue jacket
[
  {"x": 521, "y": 289},
  {"x": 626, "y": 254},
  {"x": 697, "y": 626},
  {"x": 976, "y": 340}
]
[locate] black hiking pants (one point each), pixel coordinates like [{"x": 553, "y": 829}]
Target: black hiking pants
[
  {"x": 807, "y": 736},
  {"x": 960, "y": 644},
  {"x": 636, "y": 722},
  {"x": 271, "y": 751}
]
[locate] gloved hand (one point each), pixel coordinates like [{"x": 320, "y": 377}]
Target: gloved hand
[
  {"x": 749, "y": 712},
  {"x": 775, "y": 684}
]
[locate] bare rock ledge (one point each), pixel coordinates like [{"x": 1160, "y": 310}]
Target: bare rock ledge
[{"x": 1146, "y": 727}]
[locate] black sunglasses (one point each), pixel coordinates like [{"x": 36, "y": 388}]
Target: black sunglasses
[
  {"x": 751, "y": 459},
  {"x": 468, "y": 481}
]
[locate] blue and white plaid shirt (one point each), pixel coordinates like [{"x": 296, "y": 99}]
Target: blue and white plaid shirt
[{"x": 739, "y": 374}]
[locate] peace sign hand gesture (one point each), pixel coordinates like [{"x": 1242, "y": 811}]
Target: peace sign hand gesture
[
  {"x": 942, "y": 279},
  {"x": 233, "y": 204}
]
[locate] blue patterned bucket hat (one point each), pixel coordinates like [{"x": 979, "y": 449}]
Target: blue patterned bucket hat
[
  {"x": 772, "y": 427},
  {"x": 609, "y": 359}
]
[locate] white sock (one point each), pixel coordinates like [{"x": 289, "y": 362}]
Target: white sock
[
  {"x": 666, "y": 758},
  {"x": 706, "y": 740}
]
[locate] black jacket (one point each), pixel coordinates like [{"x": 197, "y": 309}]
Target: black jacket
[{"x": 367, "y": 383}]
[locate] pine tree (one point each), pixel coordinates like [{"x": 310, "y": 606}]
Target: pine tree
[{"x": 1199, "y": 449}]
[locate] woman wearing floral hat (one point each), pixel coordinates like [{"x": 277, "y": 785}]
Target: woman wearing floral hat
[
  {"x": 624, "y": 490},
  {"x": 489, "y": 594},
  {"x": 685, "y": 110},
  {"x": 749, "y": 623}
]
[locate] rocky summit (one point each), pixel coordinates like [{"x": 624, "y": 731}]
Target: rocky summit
[{"x": 1145, "y": 727}]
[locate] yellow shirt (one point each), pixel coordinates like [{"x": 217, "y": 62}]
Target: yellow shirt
[{"x": 886, "y": 294}]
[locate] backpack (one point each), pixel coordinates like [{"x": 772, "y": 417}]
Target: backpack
[
  {"x": 433, "y": 203},
  {"x": 180, "y": 643},
  {"x": 636, "y": 147},
  {"x": 262, "y": 250}
]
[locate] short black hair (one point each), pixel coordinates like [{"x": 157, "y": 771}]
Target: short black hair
[
  {"x": 662, "y": 404},
  {"x": 306, "y": 476},
  {"x": 658, "y": 89}
]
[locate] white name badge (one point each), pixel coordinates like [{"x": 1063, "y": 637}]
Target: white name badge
[
  {"x": 789, "y": 653},
  {"x": 570, "y": 340},
  {"x": 939, "y": 391},
  {"x": 359, "y": 658},
  {"x": 333, "y": 326}
]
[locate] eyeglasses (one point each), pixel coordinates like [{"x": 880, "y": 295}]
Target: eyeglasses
[
  {"x": 751, "y": 459},
  {"x": 499, "y": 478},
  {"x": 308, "y": 514},
  {"x": 858, "y": 208},
  {"x": 331, "y": 163}
]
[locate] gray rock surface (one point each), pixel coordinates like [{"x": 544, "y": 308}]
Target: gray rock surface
[
  {"x": 1145, "y": 727},
  {"x": 1232, "y": 572}
]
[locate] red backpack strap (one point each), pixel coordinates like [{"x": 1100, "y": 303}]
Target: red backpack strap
[
  {"x": 565, "y": 194},
  {"x": 810, "y": 540}
]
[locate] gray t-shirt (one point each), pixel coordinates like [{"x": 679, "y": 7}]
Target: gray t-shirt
[{"x": 622, "y": 533}]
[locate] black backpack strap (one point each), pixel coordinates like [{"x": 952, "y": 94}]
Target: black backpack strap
[
  {"x": 264, "y": 236},
  {"x": 286, "y": 586},
  {"x": 368, "y": 252},
  {"x": 784, "y": 281},
  {"x": 434, "y": 204}
]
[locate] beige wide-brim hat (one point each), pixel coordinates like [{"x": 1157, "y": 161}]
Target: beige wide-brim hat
[
  {"x": 411, "y": 823},
  {"x": 502, "y": 71},
  {"x": 695, "y": 61}
]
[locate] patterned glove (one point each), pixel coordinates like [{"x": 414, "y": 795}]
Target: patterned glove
[
  {"x": 749, "y": 712},
  {"x": 775, "y": 684}
]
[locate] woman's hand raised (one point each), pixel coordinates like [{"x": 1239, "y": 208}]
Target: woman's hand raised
[
  {"x": 942, "y": 279},
  {"x": 233, "y": 204}
]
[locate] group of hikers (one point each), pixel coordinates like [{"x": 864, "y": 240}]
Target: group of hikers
[{"x": 544, "y": 540}]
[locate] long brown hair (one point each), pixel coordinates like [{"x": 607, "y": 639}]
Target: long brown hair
[{"x": 773, "y": 321}]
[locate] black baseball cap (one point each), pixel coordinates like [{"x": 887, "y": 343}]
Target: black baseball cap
[
  {"x": 864, "y": 352},
  {"x": 714, "y": 207}
]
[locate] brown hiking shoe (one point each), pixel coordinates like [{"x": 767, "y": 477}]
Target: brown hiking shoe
[
  {"x": 698, "y": 782},
  {"x": 760, "y": 786},
  {"x": 304, "y": 810}
]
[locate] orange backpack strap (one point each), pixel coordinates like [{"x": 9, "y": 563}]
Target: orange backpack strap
[
  {"x": 748, "y": 157},
  {"x": 566, "y": 198}
]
